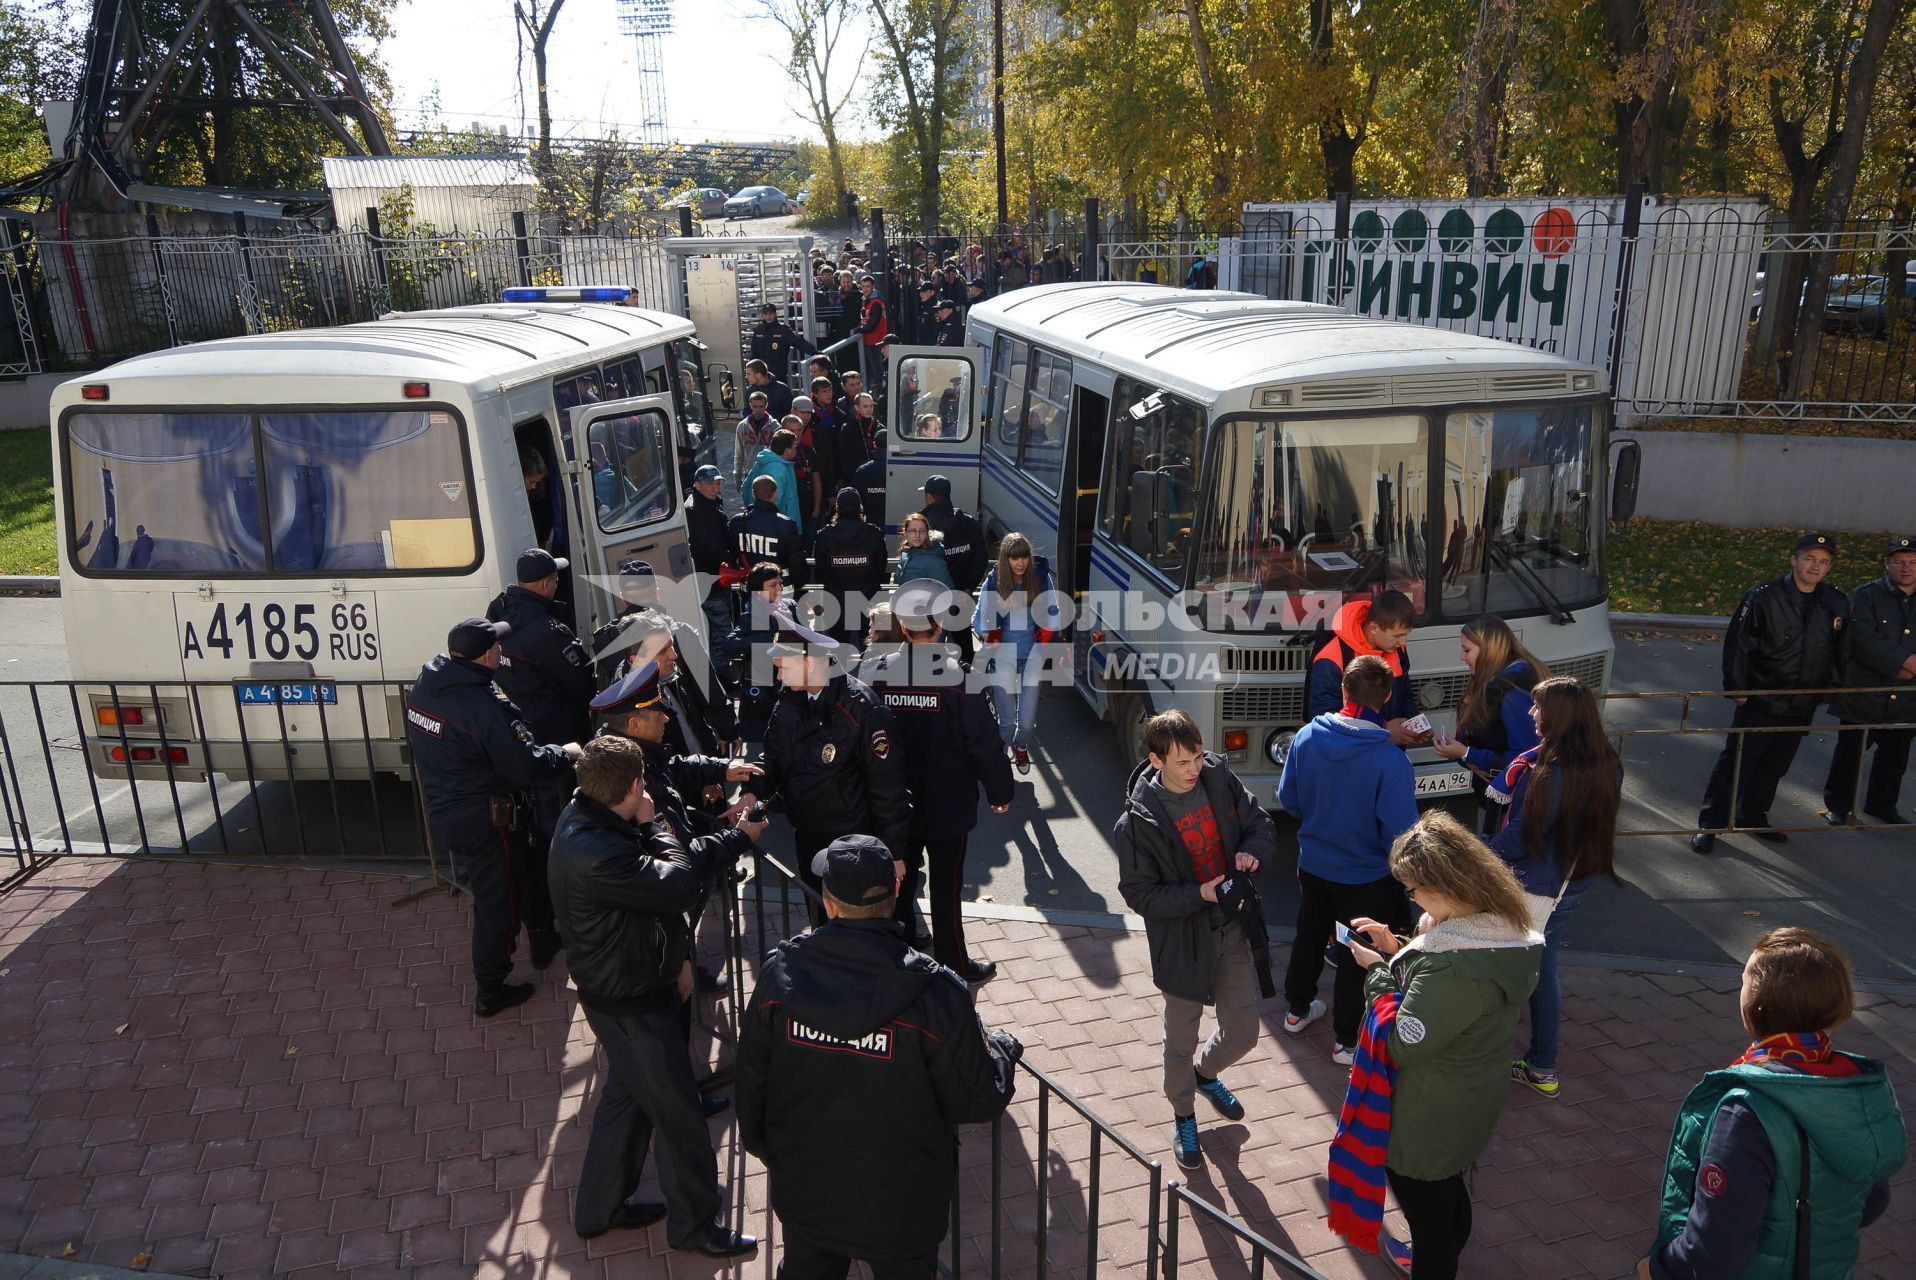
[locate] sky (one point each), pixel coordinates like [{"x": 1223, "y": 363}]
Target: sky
[{"x": 721, "y": 81}]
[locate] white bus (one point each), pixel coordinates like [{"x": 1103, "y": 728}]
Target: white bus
[
  {"x": 302, "y": 515},
  {"x": 1193, "y": 462}
]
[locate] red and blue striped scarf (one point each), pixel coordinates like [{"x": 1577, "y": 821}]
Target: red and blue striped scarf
[{"x": 1363, "y": 1131}]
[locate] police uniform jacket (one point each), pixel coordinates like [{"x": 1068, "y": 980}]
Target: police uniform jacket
[
  {"x": 620, "y": 894},
  {"x": 543, "y": 668},
  {"x": 869, "y": 480},
  {"x": 948, "y": 737},
  {"x": 949, "y": 332},
  {"x": 858, "y": 1059},
  {"x": 833, "y": 759},
  {"x": 1775, "y": 642},
  {"x": 1882, "y": 635},
  {"x": 707, "y": 531},
  {"x": 851, "y": 556},
  {"x": 774, "y": 343},
  {"x": 964, "y": 544},
  {"x": 470, "y": 742},
  {"x": 762, "y": 532}
]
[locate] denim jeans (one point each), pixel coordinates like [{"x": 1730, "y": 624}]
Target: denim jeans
[
  {"x": 1546, "y": 1002},
  {"x": 1014, "y": 695}
]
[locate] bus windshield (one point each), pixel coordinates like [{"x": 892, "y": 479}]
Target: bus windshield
[{"x": 1307, "y": 513}]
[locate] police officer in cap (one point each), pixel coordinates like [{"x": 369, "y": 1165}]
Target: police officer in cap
[
  {"x": 708, "y": 533},
  {"x": 1786, "y": 634},
  {"x": 948, "y": 739},
  {"x": 623, "y": 886},
  {"x": 852, "y": 563},
  {"x": 1881, "y": 653},
  {"x": 949, "y": 330},
  {"x": 476, "y": 754},
  {"x": 965, "y": 552},
  {"x": 829, "y": 751},
  {"x": 858, "y": 1060},
  {"x": 774, "y": 341}
]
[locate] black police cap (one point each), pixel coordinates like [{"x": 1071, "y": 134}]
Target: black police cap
[
  {"x": 1816, "y": 541},
  {"x": 857, "y": 870},
  {"x": 472, "y": 637}
]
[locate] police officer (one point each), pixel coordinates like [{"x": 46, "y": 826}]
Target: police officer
[
  {"x": 475, "y": 754},
  {"x": 948, "y": 739},
  {"x": 764, "y": 533},
  {"x": 1786, "y": 634},
  {"x": 858, "y": 1060},
  {"x": 869, "y": 479},
  {"x": 700, "y": 697},
  {"x": 926, "y": 318},
  {"x": 852, "y": 564},
  {"x": 1881, "y": 652},
  {"x": 622, "y": 885},
  {"x": 765, "y": 587},
  {"x": 774, "y": 341},
  {"x": 709, "y": 536},
  {"x": 829, "y": 751},
  {"x": 948, "y": 330},
  {"x": 964, "y": 550}
]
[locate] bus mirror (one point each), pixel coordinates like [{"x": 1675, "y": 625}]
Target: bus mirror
[{"x": 1626, "y": 465}]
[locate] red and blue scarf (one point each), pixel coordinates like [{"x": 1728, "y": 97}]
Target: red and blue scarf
[
  {"x": 1502, "y": 789},
  {"x": 1805, "y": 1051},
  {"x": 1363, "y": 1131}
]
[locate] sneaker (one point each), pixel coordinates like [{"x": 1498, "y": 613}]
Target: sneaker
[
  {"x": 1021, "y": 758},
  {"x": 1220, "y": 1096},
  {"x": 1185, "y": 1144},
  {"x": 1397, "y": 1253},
  {"x": 1295, "y": 1023},
  {"x": 1343, "y": 1055},
  {"x": 1544, "y": 1082}
]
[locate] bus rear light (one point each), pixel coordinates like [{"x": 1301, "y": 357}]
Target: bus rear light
[
  {"x": 416, "y": 390},
  {"x": 146, "y": 755},
  {"x": 94, "y": 391},
  {"x": 115, "y": 716}
]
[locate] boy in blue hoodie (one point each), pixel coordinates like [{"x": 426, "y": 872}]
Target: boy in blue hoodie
[
  {"x": 779, "y": 461},
  {"x": 1353, "y": 793}
]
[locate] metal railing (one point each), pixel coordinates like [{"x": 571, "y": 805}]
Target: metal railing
[{"x": 1204, "y": 1213}]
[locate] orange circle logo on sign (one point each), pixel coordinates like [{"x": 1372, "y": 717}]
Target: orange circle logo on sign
[{"x": 1554, "y": 232}]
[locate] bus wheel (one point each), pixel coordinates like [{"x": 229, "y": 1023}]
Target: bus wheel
[{"x": 1128, "y": 714}]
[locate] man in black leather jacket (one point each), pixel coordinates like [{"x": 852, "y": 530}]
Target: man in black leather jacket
[
  {"x": 622, "y": 885},
  {"x": 1786, "y": 634},
  {"x": 829, "y": 751},
  {"x": 858, "y": 1060},
  {"x": 476, "y": 758}
]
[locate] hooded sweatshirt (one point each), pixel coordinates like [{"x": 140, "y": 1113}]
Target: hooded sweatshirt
[
  {"x": 782, "y": 470},
  {"x": 1461, "y": 985},
  {"x": 1326, "y": 689},
  {"x": 858, "y": 1058},
  {"x": 1353, "y": 794}
]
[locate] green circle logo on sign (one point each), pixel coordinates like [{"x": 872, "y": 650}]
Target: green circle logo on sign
[
  {"x": 1456, "y": 231},
  {"x": 1367, "y": 229},
  {"x": 1503, "y": 232},
  {"x": 1411, "y": 230}
]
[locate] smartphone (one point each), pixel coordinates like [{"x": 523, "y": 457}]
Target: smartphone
[{"x": 1345, "y": 936}]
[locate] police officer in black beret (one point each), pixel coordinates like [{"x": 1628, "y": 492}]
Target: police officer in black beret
[
  {"x": 1786, "y": 634},
  {"x": 852, "y": 565},
  {"x": 949, "y": 741},
  {"x": 829, "y": 751},
  {"x": 858, "y": 1060},
  {"x": 1882, "y": 653},
  {"x": 476, "y": 757},
  {"x": 623, "y": 885}
]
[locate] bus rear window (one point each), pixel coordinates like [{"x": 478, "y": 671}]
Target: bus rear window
[{"x": 345, "y": 491}]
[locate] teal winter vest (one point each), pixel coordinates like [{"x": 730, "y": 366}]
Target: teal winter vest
[{"x": 1856, "y": 1140}]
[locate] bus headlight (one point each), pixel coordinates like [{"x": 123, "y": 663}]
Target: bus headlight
[{"x": 1278, "y": 746}]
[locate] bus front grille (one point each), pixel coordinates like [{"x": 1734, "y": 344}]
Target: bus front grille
[
  {"x": 1267, "y": 661},
  {"x": 1264, "y": 704}
]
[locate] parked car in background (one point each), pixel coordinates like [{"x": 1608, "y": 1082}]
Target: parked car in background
[
  {"x": 707, "y": 202},
  {"x": 1862, "y": 303},
  {"x": 759, "y": 202}
]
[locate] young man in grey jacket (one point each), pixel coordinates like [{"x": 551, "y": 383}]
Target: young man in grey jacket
[{"x": 1188, "y": 825}]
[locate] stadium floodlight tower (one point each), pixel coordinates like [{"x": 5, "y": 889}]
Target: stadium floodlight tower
[{"x": 648, "y": 22}]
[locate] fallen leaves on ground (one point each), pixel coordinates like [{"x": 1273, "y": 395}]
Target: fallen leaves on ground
[{"x": 1658, "y": 566}]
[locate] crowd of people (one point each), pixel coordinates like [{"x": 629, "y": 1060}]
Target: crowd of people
[{"x": 597, "y": 794}]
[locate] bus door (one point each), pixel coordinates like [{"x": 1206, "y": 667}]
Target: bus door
[
  {"x": 1090, "y": 415},
  {"x": 933, "y": 396},
  {"x": 625, "y": 462}
]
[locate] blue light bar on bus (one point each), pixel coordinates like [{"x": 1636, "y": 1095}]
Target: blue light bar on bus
[{"x": 568, "y": 293}]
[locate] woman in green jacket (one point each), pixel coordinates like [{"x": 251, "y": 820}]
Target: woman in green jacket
[
  {"x": 1791, "y": 1107},
  {"x": 1461, "y": 983}
]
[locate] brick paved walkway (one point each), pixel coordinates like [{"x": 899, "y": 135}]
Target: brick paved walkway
[{"x": 263, "y": 1072}]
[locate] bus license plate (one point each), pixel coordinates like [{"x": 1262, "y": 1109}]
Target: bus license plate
[
  {"x": 266, "y": 694},
  {"x": 1449, "y": 782}
]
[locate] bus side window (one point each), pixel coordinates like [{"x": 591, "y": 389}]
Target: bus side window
[
  {"x": 1007, "y": 408},
  {"x": 570, "y": 392}
]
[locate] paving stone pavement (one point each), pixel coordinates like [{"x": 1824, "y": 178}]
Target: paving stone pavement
[{"x": 263, "y": 1072}]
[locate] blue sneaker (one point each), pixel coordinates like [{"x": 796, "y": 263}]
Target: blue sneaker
[
  {"x": 1397, "y": 1253},
  {"x": 1186, "y": 1145},
  {"x": 1219, "y": 1095}
]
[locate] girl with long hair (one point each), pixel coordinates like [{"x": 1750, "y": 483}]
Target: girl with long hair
[
  {"x": 1460, "y": 984},
  {"x": 1017, "y": 611},
  {"x": 1493, "y": 720},
  {"x": 921, "y": 551},
  {"x": 1561, "y": 835}
]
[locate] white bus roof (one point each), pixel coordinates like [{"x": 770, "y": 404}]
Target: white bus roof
[
  {"x": 1205, "y": 343},
  {"x": 503, "y": 343}
]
